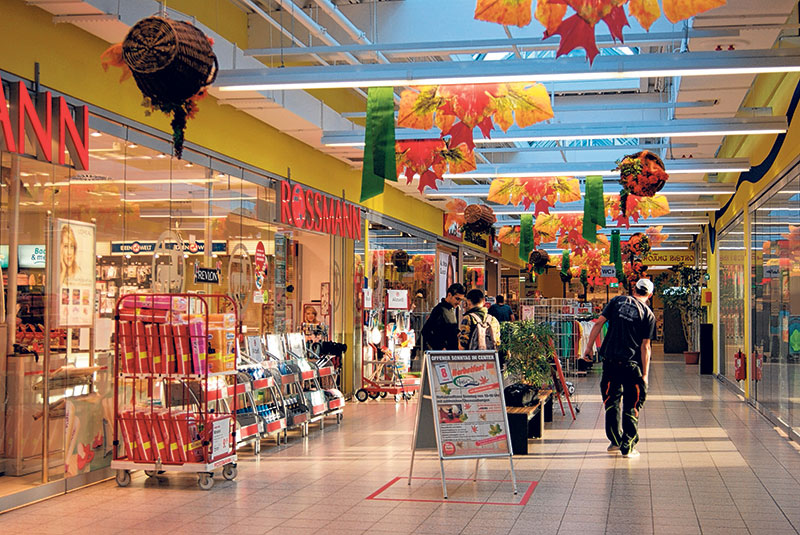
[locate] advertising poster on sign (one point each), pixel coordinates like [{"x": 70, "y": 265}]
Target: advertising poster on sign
[
  {"x": 468, "y": 400},
  {"x": 74, "y": 270}
]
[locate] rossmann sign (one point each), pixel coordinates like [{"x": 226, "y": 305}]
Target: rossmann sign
[
  {"x": 307, "y": 209},
  {"x": 48, "y": 124}
]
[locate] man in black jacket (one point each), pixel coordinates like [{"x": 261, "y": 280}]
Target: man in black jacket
[
  {"x": 440, "y": 332},
  {"x": 626, "y": 364}
]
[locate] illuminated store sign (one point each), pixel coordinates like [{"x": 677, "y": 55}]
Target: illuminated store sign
[
  {"x": 310, "y": 210},
  {"x": 20, "y": 117}
]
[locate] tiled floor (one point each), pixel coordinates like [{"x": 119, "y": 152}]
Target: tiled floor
[{"x": 709, "y": 464}]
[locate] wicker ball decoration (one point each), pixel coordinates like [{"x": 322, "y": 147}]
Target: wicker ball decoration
[
  {"x": 171, "y": 60},
  {"x": 539, "y": 258},
  {"x": 643, "y": 174},
  {"x": 478, "y": 219}
]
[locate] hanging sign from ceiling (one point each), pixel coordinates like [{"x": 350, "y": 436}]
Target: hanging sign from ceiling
[{"x": 307, "y": 209}]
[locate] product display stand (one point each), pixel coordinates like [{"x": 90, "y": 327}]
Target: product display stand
[
  {"x": 289, "y": 375},
  {"x": 175, "y": 372},
  {"x": 264, "y": 402},
  {"x": 381, "y": 376},
  {"x": 294, "y": 347},
  {"x": 328, "y": 399}
]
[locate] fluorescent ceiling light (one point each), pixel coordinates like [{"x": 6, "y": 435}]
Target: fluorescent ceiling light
[
  {"x": 181, "y": 216},
  {"x": 540, "y": 70},
  {"x": 179, "y": 199},
  {"x": 675, "y": 128}
]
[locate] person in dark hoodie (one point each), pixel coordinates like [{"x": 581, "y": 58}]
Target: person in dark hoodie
[
  {"x": 440, "y": 332},
  {"x": 477, "y": 318}
]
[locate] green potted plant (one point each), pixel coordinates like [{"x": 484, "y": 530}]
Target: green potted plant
[
  {"x": 528, "y": 347},
  {"x": 681, "y": 289}
]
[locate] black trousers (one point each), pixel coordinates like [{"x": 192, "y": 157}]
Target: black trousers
[{"x": 623, "y": 393}]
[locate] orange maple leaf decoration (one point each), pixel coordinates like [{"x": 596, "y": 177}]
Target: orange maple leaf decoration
[
  {"x": 577, "y": 31},
  {"x": 509, "y": 235},
  {"x": 506, "y": 12},
  {"x": 541, "y": 192}
]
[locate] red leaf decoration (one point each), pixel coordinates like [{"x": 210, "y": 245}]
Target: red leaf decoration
[
  {"x": 576, "y": 33},
  {"x": 616, "y": 20},
  {"x": 428, "y": 178},
  {"x": 460, "y": 133}
]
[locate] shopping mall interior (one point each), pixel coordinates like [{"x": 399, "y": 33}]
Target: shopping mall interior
[{"x": 259, "y": 204}]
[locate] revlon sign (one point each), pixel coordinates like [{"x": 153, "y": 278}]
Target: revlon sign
[
  {"x": 22, "y": 117},
  {"x": 310, "y": 210}
]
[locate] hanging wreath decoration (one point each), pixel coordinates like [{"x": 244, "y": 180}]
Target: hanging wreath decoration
[
  {"x": 478, "y": 220},
  {"x": 537, "y": 261},
  {"x": 638, "y": 245},
  {"x": 641, "y": 174},
  {"x": 172, "y": 63}
]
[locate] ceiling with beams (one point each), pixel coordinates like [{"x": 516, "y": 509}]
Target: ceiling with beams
[{"x": 687, "y": 115}]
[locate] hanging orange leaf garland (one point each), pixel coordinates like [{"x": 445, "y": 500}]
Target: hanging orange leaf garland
[
  {"x": 458, "y": 109},
  {"x": 566, "y": 230},
  {"x": 541, "y": 192},
  {"x": 636, "y": 208},
  {"x": 506, "y": 12},
  {"x": 430, "y": 159},
  {"x": 577, "y": 31},
  {"x": 509, "y": 235}
]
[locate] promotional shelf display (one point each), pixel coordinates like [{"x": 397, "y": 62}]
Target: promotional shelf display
[
  {"x": 175, "y": 386},
  {"x": 320, "y": 390},
  {"x": 290, "y": 376}
]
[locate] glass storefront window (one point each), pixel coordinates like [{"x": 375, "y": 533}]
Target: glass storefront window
[
  {"x": 775, "y": 257},
  {"x": 732, "y": 255}
]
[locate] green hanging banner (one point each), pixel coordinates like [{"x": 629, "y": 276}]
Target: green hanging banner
[
  {"x": 615, "y": 254},
  {"x": 525, "y": 236},
  {"x": 380, "y": 163},
  {"x": 565, "y": 262},
  {"x": 594, "y": 210}
]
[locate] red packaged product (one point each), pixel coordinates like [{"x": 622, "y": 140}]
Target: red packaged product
[
  {"x": 154, "y": 348},
  {"x": 160, "y": 445},
  {"x": 143, "y": 439},
  {"x": 151, "y": 315},
  {"x": 183, "y": 352},
  {"x": 127, "y": 346},
  {"x": 174, "y": 452},
  {"x": 142, "y": 360},
  {"x": 167, "y": 348},
  {"x": 127, "y": 434},
  {"x": 186, "y": 425}
]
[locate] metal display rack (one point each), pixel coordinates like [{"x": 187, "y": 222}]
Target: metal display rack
[
  {"x": 320, "y": 390},
  {"x": 175, "y": 377},
  {"x": 289, "y": 377}
]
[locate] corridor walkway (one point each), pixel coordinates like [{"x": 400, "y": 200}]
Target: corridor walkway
[{"x": 709, "y": 465}]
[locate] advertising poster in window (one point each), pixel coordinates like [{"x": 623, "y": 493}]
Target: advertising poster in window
[
  {"x": 74, "y": 271},
  {"x": 468, "y": 402},
  {"x": 446, "y": 272}
]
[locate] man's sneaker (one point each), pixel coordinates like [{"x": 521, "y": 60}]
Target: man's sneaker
[
  {"x": 612, "y": 449},
  {"x": 631, "y": 454}
]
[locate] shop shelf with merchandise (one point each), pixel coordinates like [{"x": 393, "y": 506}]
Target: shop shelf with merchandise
[
  {"x": 320, "y": 388},
  {"x": 176, "y": 385}
]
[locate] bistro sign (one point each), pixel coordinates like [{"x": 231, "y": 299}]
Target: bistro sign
[
  {"x": 20, "y": 116},
  {"x": 307, "y": 209}
]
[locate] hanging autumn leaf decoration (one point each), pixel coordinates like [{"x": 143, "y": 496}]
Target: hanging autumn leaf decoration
[
  {"x": 455, "y": 213},
  {"x": 430, "y": 159},
  {"x": 506, "y": 12},
  {"x": 577, "y": 30},
  {"x": 566, "y": 230},
  {"x": 509, "y": 235},
  {"x": 636, "y": 208},
  {"x": 540, "y": 192},
  {"x": 655, "y": 236},
  {"x": 458, "y": 109}
]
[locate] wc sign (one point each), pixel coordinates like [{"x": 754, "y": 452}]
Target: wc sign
[{"x": 48, "y": 124}]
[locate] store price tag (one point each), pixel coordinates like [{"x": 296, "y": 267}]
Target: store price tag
[
  {"x": 772, "y": 272},
  {"x": 608, "y": 272},
  {"x": 397, "y": 299},
  {"x": 368, "y": 298}
]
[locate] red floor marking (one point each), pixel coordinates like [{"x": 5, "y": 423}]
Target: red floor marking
[{"x": 523, "y": 501}]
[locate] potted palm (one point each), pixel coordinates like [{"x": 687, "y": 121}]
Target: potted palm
[
  {"x": 528, "y": 349},
  {"x": 680, "y": 289}
]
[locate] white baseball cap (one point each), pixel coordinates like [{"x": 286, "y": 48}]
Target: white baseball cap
[{"x": 645, "y": 284}]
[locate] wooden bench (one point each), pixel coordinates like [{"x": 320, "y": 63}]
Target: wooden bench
[{"x": 528, "y": 422}]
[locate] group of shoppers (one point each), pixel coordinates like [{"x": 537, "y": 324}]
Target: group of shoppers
[
  {"x": 478, "y": 329},
  {"x": 625, "y": 350}
]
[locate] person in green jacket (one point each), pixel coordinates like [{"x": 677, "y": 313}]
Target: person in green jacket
[{"x": 478, "y": 317}]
